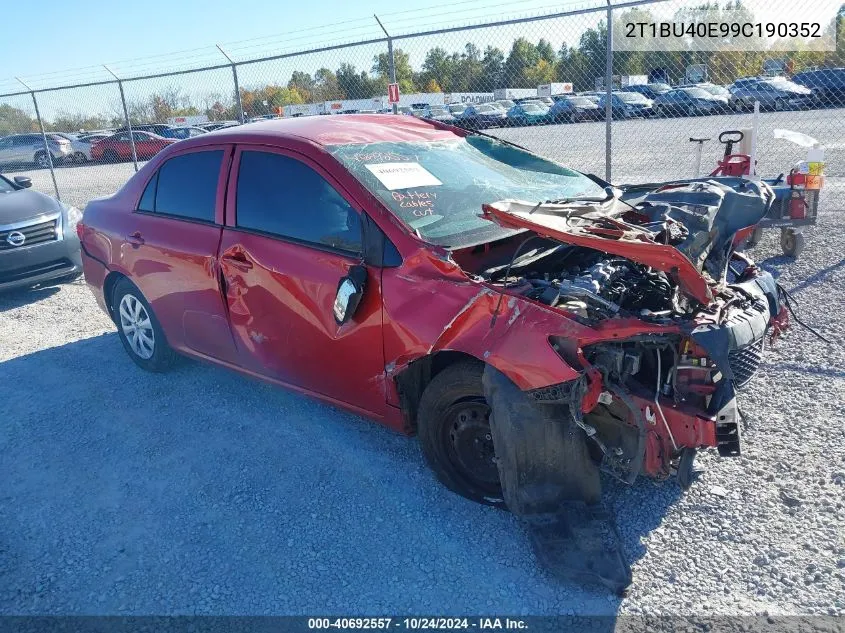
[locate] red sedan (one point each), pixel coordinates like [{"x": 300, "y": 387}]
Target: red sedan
[
  {"x": 412, "y": 272},
  {"x": 118, "y": 147}
]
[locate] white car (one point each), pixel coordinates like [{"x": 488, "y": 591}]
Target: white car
[{"x": 80, "y": 149}]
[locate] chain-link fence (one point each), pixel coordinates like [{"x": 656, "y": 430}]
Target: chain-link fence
[{"x": 555, "y": 83}]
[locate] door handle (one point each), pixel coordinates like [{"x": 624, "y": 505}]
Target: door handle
[
  {"x": 238, "y": 261},
  {"x": 135, "y": 239}
]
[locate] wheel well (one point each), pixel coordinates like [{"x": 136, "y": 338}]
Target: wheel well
[
  {"x": 413, "y": 380},
  {"x": 108, "y": 290}
]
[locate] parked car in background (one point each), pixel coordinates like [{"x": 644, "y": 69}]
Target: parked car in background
[
  {"x": 574, "y": 108},
  {"x": 93, "y": 138},
  {"x": 827, "y": 84},
  {"x": 592, "y": 96},
  {"x": 155, "y": 128},
  {"x": 773, "y": 94},
  {"x": 441, "y": 113},
  {"x": 22, "y": 150},
  {"x": 504, "y": 104},
  {"x": 649, "y": 91},
  {"x": 688, "y": 102},
  {"x": 210, "y": 126},
  {"x": 479, "y": 117},
  {"x": 118, "y": 147},
  {"x": 38, "y": 241},
  {"x": 713, "y": 89},
  {"x": 627, "y": 105},
  {"x": 528, "y": 113},
  {"x": 183, "y": 132},
  {"x": 81, "y": 148}
]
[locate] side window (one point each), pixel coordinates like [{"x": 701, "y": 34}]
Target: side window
[
  {"x": 282, "y": 196},
  {"x": 185, "y": 186},
  {"x": 148, "y": 198},
  {"x": 139, "y": 136}
]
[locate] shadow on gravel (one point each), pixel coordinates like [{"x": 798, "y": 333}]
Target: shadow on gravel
[
  {"x": 202, "y": 491},
  {"x": 18, "y": 298}
]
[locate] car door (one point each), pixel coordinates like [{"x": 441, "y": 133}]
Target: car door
[
  {"x": 6, "y": 150},
  {"x": 171, "y": 246},
  {"x": 292, "y": 233}
]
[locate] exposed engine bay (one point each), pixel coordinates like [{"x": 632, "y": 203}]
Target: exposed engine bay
[{"x": 593, "y": 285}]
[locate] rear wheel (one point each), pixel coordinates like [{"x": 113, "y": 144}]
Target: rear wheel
[
  {"x": 79, "y": 158},
  {"x": 110, "y": 156},
  {"x": 139, "y": 329},
  {"x": 455, "y": 435},
  {"x": 42, "y": 160}
]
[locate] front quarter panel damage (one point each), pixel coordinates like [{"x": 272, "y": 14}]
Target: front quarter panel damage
[{"x": 428, "y": 309}]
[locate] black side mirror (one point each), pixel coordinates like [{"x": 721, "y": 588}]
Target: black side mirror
[
  {"x": 23, "y": 181},
  {"x": 350, "y": 290}
]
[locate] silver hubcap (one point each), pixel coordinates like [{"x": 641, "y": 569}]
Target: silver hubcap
[
  {"x": 43, "y": 161},
  {"x": 136, "y": 326}
]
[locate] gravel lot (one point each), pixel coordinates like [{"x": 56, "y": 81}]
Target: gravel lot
[{"x": 207, "y": 492}]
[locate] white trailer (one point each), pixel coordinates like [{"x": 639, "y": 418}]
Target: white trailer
[
  {"x": 301, "y": 109},
  {"x": 467, "y": 97},
  {"x": 421, "y": 98},
  {"x": 550, "y": 90},
  {"x": 514, "y": 93},
  {"x": 632, "y": 80},
  {"x": 187, "y": 120}
]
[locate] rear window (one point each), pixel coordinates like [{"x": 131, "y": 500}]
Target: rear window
[
  {"x": 185, "y": 186},
  {"x": 437, "y": 188}
]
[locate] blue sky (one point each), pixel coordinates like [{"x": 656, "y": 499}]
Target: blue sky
[
  {"x": 142, "y": 37},
  {"x": 86, "y": 33}
]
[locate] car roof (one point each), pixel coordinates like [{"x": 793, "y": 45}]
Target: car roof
[{"x": 341, "y": 129}]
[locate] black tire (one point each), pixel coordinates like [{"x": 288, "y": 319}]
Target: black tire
[
  {"x": 110, "y": 156},
  {"x": 162, "y": 356},
  {"x": 754, "y": 239},
  {"x": 791, "y": 242},
  {"x": 781, "y": 105},
  {"x": 450, "y": 424},
  {"x": 41, "y": 160}
]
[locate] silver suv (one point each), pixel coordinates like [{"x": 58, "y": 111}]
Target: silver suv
[{"x": 20, "y": 150}]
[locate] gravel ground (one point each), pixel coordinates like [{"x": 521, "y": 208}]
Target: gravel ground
[{"x": 207, "y": 492}]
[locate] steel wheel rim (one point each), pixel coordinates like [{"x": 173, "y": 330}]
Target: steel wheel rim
[
  {"x": 136, "y": 326},
  {"x": 43, "y": 161},
  {"x": 469, "y": 444}
]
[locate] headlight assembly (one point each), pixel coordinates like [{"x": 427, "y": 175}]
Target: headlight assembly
[{"x": 74, "y": 215}]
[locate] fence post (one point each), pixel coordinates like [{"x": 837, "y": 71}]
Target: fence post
[
  {"x": 237, "y": 85},
  {"x": 44, "y": 140},
  {"x": 391, "y": 64},
  {"x": 126, "y": 117},
  {"x": 608, "y": 99}
]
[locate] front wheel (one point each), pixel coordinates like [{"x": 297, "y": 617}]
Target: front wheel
[
  {"x": 455, "y": 435},
  {"x": 139, "y": 329},
  {"x": 781, "y": 105},
  {"x": 42, "y": 160},
  {"x": 791, "y": 242}
]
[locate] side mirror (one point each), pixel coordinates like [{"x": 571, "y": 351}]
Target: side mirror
[
  {"x": 350, "y": 290},
  {"x": 23, "y": 181}
]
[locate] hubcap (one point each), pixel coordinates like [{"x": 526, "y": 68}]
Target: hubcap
[
  {"x": 136, "y": 326},
  {"x": 471, "y": 443},
  {"x": 43, "y": 161}
]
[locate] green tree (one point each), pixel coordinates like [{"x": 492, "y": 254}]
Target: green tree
[
  {"x": 493, "y": 68},
  {"x": 523, "y": 55},
  {"x": 15, "y": 120},
  {"x": 302, "y": 82},
  {"x": 404, "y": 72}
]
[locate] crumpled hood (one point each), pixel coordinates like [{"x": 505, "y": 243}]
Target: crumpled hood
[{"x": 712, "y": 212}]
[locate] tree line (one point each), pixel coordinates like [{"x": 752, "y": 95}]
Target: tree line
[{"x": 526, "y": 65}]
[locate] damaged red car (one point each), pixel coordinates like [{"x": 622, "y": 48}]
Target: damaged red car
[{"x": 534, "y": 326}]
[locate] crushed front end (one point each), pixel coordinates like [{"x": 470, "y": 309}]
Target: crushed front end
[{"x": 664, "y": 323}]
